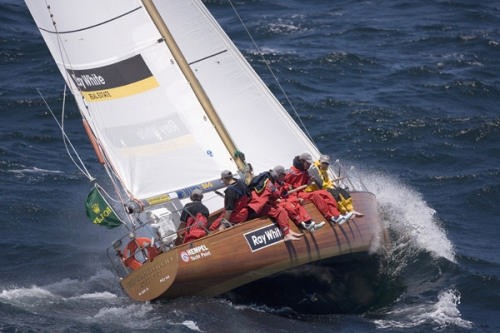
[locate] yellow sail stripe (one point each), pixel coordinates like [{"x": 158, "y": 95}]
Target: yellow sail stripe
[{"x": 120, "y": 92}]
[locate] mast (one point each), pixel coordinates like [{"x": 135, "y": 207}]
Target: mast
[{"x": 196, "y": 86}]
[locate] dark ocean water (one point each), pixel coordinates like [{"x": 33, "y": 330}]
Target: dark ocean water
[{"x": 407, "y": 92}]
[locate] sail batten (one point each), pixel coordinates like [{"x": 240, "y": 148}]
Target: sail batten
[
  {"x": 89, "y": 27},
  {"x": 207, "y": 57}
]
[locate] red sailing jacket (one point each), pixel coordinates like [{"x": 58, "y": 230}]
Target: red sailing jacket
[
  {"x": 196, "y": 227},
  {"x": 296, "y": 177},
  {"x": 266, "y": 193},
  {"x": 323, "y": 200}
]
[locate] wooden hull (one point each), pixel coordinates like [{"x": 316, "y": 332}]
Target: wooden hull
[{"x": 250, "y": 251}]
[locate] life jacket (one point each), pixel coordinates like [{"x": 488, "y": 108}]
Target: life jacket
[
  {"x": 258, "y": 183},
  {"x": 196, "y": 227},
  {"x": 343, "y": 198},
  {"x": 325, "y": 178}
]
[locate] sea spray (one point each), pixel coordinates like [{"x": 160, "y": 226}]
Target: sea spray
[
  {"x": 409, "y": 217},
  {"x": 415, "y": 230}
]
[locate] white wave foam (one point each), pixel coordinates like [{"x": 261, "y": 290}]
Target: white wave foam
[
  {"x": 136, "y": 316},
  {"x": 35, "y": 170},
  {"x": 130, "y": 317},
  {"x": 29, "y": 297},
  {"x": 132, "y": 312},
  {"x": 78, "y": 298},
  {"x": 191, "y": 325},
  {"x": 284, "y": 28},
  {"x": 64, "y": 290},
  {"x": 442, "y": 314},
  {"x": 407, "y": 213},
  {"x": 86, "y": 304},
  {"x": 96, "y": 296}
]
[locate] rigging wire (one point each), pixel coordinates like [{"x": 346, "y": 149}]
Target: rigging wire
[
  {"x": 65, "y": 59},
  {"x": 282, "y": 90},
  {"x": 66, "y": 140},
  {"x": 63, "y": 55},
  {"x": 268, "y": 66}
]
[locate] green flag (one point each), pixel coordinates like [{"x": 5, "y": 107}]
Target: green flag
[{"x": 99, "y": 211}]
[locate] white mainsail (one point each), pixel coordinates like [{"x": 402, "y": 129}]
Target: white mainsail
[
  {"x": 255, "y": 119},
  {"x": 143, "y": 111}
]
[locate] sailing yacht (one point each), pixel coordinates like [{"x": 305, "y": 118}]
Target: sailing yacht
[{"x": 168, "y": 102}]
